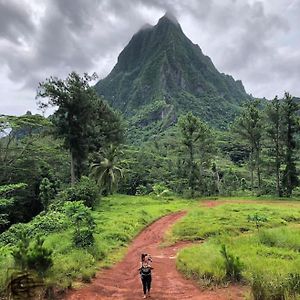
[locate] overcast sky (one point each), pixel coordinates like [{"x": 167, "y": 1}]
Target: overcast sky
[{"x": 255, "y": 41}]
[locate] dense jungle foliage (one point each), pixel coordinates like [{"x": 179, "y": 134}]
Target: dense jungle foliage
[{"x": 57, "y": 171}]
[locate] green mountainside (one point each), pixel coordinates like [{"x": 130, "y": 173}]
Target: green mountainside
[{"x": 161, "y": 74}]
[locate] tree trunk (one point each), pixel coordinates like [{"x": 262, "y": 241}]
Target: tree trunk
[
  {"x": 73, "y": 177},
  {"x": 251, "y": 169},
  {"x": 191, "y": 179},
  {"x": 278, "y": 187},
  {"x": 258, "y": 169}
]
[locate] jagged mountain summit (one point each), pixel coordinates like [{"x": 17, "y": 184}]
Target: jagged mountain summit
[{"x": 161, "y": 74}]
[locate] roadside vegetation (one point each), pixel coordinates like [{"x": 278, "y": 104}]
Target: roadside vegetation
[
  {"x": 254, "y": 244},
  {"x": 118, "y": 219},
  {"x": 60, "y": 221}
]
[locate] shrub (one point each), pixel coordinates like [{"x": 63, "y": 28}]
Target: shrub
[
  {"x": 83, "y": 237},
  {"x": 160, "y": 190},
  {"x": 84, "y": 223},
  {"x": 142, "y": 190},
  {"x": 280, "y": 237},
  {"x": 32, "y": 256},
  {"x": 85, "y": 190},
  {"x": 257, "y": 219},
  {"x": 48, "y": 191},
  {"x": 276, "y": 287},
  {"x": 38, "y": 257},
  {"x": 14, "y": 234},
  {"x": 233, "y": 266},
  {"x": 43, "y": 224},
  {"x": 293, "y": 282}
]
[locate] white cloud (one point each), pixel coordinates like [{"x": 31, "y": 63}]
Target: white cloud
[{"x": 255, "y": 41}]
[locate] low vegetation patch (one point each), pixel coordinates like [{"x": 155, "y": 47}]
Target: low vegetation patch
[
  {"x": 77, "y": 255},
  {"x": 232, "y": 219},
  {"x": 267, "y": 259}
]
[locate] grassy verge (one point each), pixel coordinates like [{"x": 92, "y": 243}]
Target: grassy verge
[
  {"x": 232, "y": 219},
  {"x": 118, "y": 220},
  {"x": 268, "y": 257}
]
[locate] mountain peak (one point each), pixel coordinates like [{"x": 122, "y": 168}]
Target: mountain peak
[
  {"x": 162, "y": 73},
  {"x": 146, "y": 26},
  {"x": 168, "y": 17}
]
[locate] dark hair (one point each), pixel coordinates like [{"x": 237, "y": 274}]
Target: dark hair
[{"x": 143, "y": 256}]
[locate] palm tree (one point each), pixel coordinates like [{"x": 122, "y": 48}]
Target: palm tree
[{"x": 106, "y": 172}]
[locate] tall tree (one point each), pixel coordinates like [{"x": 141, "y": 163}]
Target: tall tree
[
  {"x": 195, "y": 135},
  {"x": 75, "y": 100},
  {"x": 7, "y": 201},
  {"x": 16, "y": 137},
  {"x": 291, "y": 126},
  {"x": 85, "y": 122},
  {"x": 248, "y": 126},
  {"x": 274, "y": 135},
  {"x": 108, "y": 127},
  {"x": 106, "y": 171}
]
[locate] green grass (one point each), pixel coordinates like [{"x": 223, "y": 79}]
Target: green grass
[
  {"x": 118, "y": 220},
  {"x": 270, "y": 256},
  {"x": 202, "y": 223},
  {"x": 267, "y": 269}
]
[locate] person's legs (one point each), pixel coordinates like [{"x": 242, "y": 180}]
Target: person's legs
[
  {"x": 149, "y": 279},
  {"x": 144, "y": 282}
]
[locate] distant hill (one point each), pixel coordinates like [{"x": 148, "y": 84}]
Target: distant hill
[{"x": 161, "y": 74}]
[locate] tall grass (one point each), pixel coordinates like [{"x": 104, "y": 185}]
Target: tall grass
[
  {"x": 118, "y": 220},
  {"x": 232, "y": 219},
  {"x": 269, "y": 259}
]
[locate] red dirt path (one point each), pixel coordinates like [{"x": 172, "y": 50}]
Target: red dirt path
[{"x": 122, "y": 280}]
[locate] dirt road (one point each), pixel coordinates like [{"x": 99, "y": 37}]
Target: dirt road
[{"x": 122, "y": 281}]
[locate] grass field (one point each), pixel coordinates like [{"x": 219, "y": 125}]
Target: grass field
[
  {"x": 269, "y": 254},
  {"x": 118, "y": 220},
  {"x": 265, "y": 253}
]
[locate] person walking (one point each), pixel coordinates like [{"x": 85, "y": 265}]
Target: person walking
[{"x": 145, "y": 272}]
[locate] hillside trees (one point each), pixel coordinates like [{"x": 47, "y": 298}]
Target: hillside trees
[
  {"x": 275, "y": 138},
  {"x": 195, "y": 136},
  {"x": 282, "y": 128},
  {"x": 27, "y": 155},
  {"x": 106, "y": 170},
  {"x": 248, "y": 126},
  {"x": 291, "y": 126},
  {"x": 271, "y": 134},
  {"x": 7, "y": 202},
  {"x": 16, "y": 134},
  {"x": 81, "y": 119},
  {"x": 75, "y": 100}
]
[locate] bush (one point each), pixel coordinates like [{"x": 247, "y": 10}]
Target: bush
[
  {"x": 48, "y": 191},
  {"x": 233, "y": 266},
  {"x": 83, "y": 237},
  {"x": 34, "y": 256},
  {"x": 14, "y": 234},
  {"x": 142, "y": 190},
  {"x": 39, "y": 257},
  {"x": 82, "y": 220},
  {"x": 280, "y": 237},
  {"x": 85, "y": 190},
  {"x": 43, "y": 224},
  {"x": 276, "y": 287},
  {"x": 160, "y": 190}
]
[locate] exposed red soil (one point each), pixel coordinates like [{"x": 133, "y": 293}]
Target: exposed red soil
[
  {"x": 122, "y": 281},
  {"x": 213, "y": 203}
]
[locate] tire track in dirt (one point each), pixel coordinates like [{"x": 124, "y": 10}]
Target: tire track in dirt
[{"x": 122, "y": 281}]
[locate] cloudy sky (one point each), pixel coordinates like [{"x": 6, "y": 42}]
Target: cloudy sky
[{"x": 255, "y": 41}]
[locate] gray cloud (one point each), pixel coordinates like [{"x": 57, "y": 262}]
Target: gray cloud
[
  {"x": 15, "y": 21},
  {"x": 256, "y": 41}
]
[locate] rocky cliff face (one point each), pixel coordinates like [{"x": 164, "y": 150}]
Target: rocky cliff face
[{"x": 161, "y": 70}]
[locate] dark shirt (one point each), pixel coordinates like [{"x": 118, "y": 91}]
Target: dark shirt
[{"x": 145, "y": 270}]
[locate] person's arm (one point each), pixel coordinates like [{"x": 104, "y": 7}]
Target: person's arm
[{"x": 139, "y": 269}]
